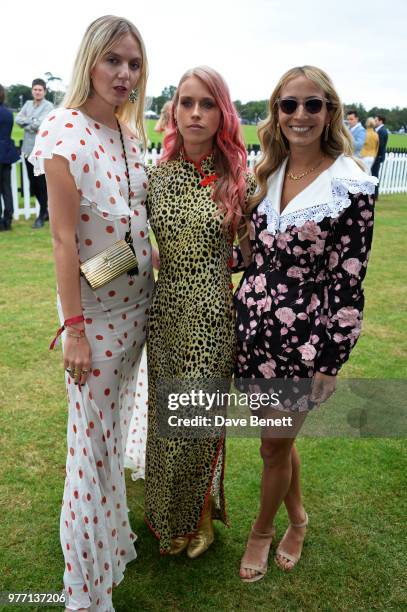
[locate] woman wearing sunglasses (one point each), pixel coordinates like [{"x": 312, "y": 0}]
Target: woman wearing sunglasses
[{"x": 300, "y": 301}]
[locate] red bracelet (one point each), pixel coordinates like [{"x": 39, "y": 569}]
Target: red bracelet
[{"x": 71, "y": 321}]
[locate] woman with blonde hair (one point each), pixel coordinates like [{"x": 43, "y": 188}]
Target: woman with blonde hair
[
  {"x": 300, "y": 301},
  {"x": 90, "y": 148},
  {"x": 165, "y": 116},
  {"x": 370, "y": 148}
]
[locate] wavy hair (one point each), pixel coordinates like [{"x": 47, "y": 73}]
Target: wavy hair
[
  {"x": 230, "y": 157},
  {"x": 275, "y": 149},
  {"x": 100, "y": 36}
]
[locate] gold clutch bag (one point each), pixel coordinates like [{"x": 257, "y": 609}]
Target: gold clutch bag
[{"x": 109, "y": 264}]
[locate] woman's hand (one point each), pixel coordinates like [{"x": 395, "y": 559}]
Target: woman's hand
[
  {"x": 323, "y": 387},
  {"x": 77, "y": 357}
]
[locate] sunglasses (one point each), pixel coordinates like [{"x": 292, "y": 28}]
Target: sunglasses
[{"x": 288, "y": 106}]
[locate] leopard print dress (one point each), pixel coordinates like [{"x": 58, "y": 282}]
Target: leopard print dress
[{"x": 190, "y": 336}]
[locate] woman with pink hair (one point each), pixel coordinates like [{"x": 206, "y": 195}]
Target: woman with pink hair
[{"x": 195, "y": 201}]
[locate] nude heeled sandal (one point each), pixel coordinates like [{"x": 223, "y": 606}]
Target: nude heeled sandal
[
  {"x": 260, "y": 569},
  {"x": 280, "y": 552}
]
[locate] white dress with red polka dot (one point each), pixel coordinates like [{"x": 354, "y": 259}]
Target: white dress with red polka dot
[{"x": 96, "y": 536}]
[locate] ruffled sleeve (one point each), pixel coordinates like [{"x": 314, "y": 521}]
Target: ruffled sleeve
[
  {"x": 68, "y": 133},
  {"x": 62, "y": 133},
  {"x": 347, "y": 265}
]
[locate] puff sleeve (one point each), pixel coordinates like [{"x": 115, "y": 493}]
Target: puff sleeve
[{"x": 63, "y": 133}]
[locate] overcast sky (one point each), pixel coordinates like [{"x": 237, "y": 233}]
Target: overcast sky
[{"x": 361, "y": 44}]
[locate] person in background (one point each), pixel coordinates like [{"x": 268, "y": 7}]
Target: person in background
[
  {"x": 30, "y": 118},
  {"x": 8, "y": 155},
  {"x": 381, "y": 153},
  {"x": 162, "y": 123},
  {"x": 370, "y": 148},
  {"x": 357, "y": 130}
]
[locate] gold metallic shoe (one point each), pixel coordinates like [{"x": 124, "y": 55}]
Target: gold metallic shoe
[
  {"x": 204, "y": 537},
  {"x": 178, "y": 545}
]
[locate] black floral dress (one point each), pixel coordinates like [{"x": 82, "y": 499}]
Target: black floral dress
[{"x": 300, "y": 301}]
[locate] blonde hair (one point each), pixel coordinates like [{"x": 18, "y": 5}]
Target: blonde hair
[
  {"x": 100, "y": 36},
  {"x": 370, "y": 122},
  {"x": 274, "y": 145}
]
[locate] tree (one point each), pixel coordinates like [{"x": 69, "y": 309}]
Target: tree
[
  {"x": 166, "y": 95},
  {"x": 17, "y": 94}
]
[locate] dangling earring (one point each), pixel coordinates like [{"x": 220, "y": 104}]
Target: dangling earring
[
  {"x": 326, "y": 136},
  {"x": 133, "y": 96},
  {"x": 278, "y": 133}
]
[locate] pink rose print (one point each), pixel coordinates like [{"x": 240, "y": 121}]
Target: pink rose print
[
  {"x": 260, "y": 283},
  {"x": 268, "y": 369},
  {"x": 297, "y": 250},
  {"x": 282, "y": 288},
  {"x": 347, "y": 316},
  {"x": 267, "y": 238},
  {"x": 333, "y": 260},
  {"x": 314, "y": 303},
  {"x": 352, "y": 266},
  {"x": 259, "y": 259},
  {"x": 294, "y": 272},
  {"x": 283, "y": 239},
  {"x": 307, "y": 351},
  {"x": 318, "y": 247},
  {"x": 366, "y": 214},
  {"x": 286, "y": 316},
  {"x": 309, "y": 231}
]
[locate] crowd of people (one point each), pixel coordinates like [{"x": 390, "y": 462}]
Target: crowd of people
[
  {"x": 300, "y": 230},
  {"x": 369, "y": 142}
]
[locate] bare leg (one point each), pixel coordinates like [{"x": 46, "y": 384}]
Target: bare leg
[
  {"x": 280, "y": 482},
  {"x": 276, "y": 480},
  {"x": 294, "y": 537},
  {"x": 293, "y": 499}
]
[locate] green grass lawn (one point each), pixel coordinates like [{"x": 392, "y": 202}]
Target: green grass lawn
[
  {"x": 355, "y": 554},
  {"x": 249, "y": 134}
]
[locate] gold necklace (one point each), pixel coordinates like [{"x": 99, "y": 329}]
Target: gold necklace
[{"x": 297, "y": 177}]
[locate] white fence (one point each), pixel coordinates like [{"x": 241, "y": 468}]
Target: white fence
[{"x": 393, "y": 179}]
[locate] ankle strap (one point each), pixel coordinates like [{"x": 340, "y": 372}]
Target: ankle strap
[
  {"x": 303, "y": 524},
  {"x": 264, "y": 535}
]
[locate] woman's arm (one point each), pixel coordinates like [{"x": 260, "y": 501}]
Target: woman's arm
[
  {"x": 346, "y": 270},
  {"x": 63, "y": 203},
  {"x": 242, "y": 254}
]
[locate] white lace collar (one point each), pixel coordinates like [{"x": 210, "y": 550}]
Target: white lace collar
[{"x": 326, "y": 196}]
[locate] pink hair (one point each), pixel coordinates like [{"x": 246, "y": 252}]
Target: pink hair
[{"x": 230, "y": 155}]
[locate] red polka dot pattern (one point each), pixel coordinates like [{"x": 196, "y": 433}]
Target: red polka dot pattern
[{"x": 109, "y": 404}]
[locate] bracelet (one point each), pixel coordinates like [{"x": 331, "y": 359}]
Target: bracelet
[
  {"x": 80, "y": 334},
  {"x": 67, "y": 323}
]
